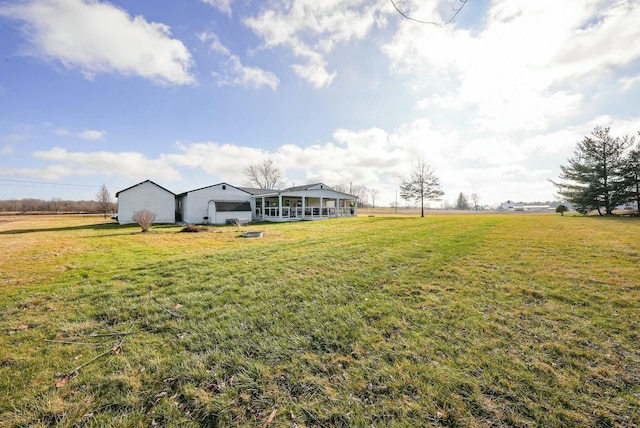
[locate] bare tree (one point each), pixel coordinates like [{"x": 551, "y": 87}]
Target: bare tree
[
  {"x": 373, "y": 193},
  {"x": 340, "y": 188},
  {"x": 264, "y": 175},
  {"x": 361, "y": 191},
  {"x": 144, "y": 218},
  {"x": 55, "y": 204},
  {"x": 476, "y": 200},
  {"x": 422, "y": 184},
  {"x": 103, "y": 198},
  {"x": 406, "y": 13}
]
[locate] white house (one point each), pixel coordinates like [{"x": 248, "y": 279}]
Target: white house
[
  {"x": 146, "y": 196},
  {"x": 222, "y": 203}
]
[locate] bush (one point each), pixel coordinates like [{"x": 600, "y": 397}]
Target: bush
[
  {"x": 561, "y": 209},
  {"x": 192, "y": 228},
  {"x": 144, "y": 218}
]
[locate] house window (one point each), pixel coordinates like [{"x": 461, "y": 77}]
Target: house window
[
  {"x": 229, "y": 206},
  {"x": 224, "y": 187}
]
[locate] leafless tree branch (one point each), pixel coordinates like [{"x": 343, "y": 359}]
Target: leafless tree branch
[{"x": 407, "y": 14}]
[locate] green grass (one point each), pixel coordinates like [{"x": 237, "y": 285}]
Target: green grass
[{"x": 470, "y": 320}]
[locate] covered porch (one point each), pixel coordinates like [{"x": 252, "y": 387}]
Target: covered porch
[{"x": 293, "y": 206}]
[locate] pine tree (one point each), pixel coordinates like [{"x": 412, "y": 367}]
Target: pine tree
[{"x": 594, "y": 178}]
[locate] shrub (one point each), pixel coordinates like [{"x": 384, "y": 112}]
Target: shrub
[
  {"x": 144, "y": 218},
  {"x": 192, "y": 228},
  {"x": 561, "y": 209}
]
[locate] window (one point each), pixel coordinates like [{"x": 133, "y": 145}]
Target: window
[
  {"x": 233, "y": 206},
  {"x": 224, "y": 187}
]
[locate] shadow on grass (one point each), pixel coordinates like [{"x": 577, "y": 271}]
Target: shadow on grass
[{"x": 101, "y": 226}]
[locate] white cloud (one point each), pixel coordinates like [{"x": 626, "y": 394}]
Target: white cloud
[
  {"x": 6, "y": 150},
  {"x": 315, "y": 73},
  {"x": 311, "y": 29},
  {"x": 234, "y": 73},
  {"x": 531, "y": 65},
  {"x": 224, "y": 161},
  {"x": 98, "y": 38},
  {"x": 629, "y": 82},
  {"x": 223, "y": 6},
  {"x": 88, "y": 134},
  {"x": 128, "y": 164}
]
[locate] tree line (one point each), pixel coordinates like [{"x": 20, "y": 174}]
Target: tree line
[
  {"x": 101, "y": 205},
  {"x": 603, "y": 174},
  {"x": 55, "y": 205}
]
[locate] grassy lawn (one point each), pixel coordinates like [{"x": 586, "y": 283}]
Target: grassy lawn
[{"x": 456, "y": 320}]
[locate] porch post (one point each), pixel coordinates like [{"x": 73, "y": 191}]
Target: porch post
[
  {"x": 338, "y": 209},
  {"x": 279, "y": 205},
  {"x": 263, "y": 210},
  {"x": 321, "y": 205},
  {"x": 304, "y": 205}
]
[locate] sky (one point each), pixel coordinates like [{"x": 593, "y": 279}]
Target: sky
[{"x": 190, "y": 93}]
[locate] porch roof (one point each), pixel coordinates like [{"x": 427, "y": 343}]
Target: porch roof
[{"x": 317, "y": 193}]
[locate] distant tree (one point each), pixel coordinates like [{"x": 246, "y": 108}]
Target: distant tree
[
  {"x": 361, "y": 191},
  {"x": 631, "y": 173},
  {"x": 462, "y": 203},
  {"x": 475, "y": 198},
  {"x": 561, "y": 209},
  {"x": 56, "y": 204},
  {"x": 145, "y": 219},
  {"x": 373, "y": 193},
  {"x": 264, "y": 175},
  {"x": 340, "y": 188},
  {"x": 594, "y": 178},
  {"x": 421, "y": 184},
  {"x": 103, "y": 198}
]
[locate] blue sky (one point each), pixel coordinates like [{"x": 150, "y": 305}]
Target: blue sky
[{"x": 189, "y": 93}]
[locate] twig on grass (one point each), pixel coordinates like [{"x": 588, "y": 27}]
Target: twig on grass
[
  {"x": 270, "y": 419},
  {"x": 74, "y": 343},
  {"x": 170, "y": 312},
  {"x": 116, "y": 333},
  {"x": 115, "y": 350}
]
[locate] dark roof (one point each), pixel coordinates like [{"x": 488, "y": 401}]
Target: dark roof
[
  {"x": 254, "y": 191},
  {"x": 307, "y": 187},
  {"x": 213, "y": 185},
  {"x": 146, "y": 181}
]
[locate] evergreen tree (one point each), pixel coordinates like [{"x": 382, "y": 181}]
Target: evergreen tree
[
  {"x": 462, "y": 203},
  {"x": 631, "y": 172},
  {"x": 593, "y": 178}
]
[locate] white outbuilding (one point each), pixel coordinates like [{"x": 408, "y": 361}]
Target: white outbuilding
[{"x": 146, "y": 196}]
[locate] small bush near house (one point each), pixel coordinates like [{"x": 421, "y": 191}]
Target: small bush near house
[{"x": 144, "y": 218}]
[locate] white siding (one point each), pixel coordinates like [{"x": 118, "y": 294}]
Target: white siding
[
  {"x": 196, "y": 203},
  {"x": 146, "y": 196}
]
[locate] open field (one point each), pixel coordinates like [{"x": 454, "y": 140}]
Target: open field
[{"x": 452, "y": 320}]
